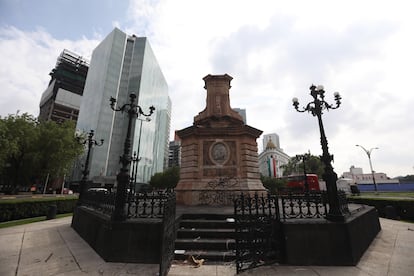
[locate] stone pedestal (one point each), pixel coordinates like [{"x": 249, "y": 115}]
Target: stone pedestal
[
  {"x": 218, "y": 152},
  {"x": 322, "y": 242}
]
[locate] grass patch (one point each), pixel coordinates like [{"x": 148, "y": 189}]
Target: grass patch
[
  {"x": 386, "y": 195},
  {"x": 381, "y": 198},
  {"x": 29, "y": 220},
  {"x": 35, "y": 198}
]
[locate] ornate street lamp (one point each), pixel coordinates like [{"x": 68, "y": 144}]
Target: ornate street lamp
[
  {"x": 368, "y": 152},
  {"x": 122, "y": 178},
  {"x": 90, "y": 142},
  {"x": 316, "y": 108}
]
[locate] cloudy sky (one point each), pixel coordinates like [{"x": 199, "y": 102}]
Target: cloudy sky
[{"x": 274, "y": 50}]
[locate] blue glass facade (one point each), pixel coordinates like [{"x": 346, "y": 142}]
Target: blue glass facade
[{"x": 122, "y": 65}]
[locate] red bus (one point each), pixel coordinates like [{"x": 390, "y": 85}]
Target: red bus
[{"x": 296, "y": 183}]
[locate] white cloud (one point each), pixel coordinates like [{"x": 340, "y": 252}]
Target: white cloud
[
  {"x": 274, "y": 50},
  {"x": 28, "y": 58}
]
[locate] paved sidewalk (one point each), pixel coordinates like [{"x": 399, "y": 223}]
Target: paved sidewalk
[{"x": 53, "y": 248}]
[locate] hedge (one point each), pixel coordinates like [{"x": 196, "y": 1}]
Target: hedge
[
  {"x": 404, "y": 208},
  {"x": 28, "y": 208}
]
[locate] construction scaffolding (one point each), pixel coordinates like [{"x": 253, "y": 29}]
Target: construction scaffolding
[{"x": 61, "y": 100}]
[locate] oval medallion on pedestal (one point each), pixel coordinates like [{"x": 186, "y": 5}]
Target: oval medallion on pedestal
[{"x": 219, "y": 153}]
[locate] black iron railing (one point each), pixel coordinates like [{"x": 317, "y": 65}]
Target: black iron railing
[
  {"x": 159, "y": 205},
  {"x": 103, "y": 202},
  {"x": 140, "y": 205},
  {"x": 263, "y": 204},
  {"x": 343, "y": 202},
  {"x": 168, "y": 233},
  {"x": 257, "y": 230},
  {"x": 311, "y": 205},
  {"x": 148, "y": 205}
]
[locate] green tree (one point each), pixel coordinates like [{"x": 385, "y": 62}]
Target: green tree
[
  {"x": 273, "y": 184},
  {"x": 30, "y": 149},
  {"x": 406, "y": 178},
  {"x": 57, "y": 148},
  {"x": 167, "y": 179},
  {"x": 4, "y": 143},
  {"x": 18, "y": 138},
  {"x": 313, "y": 165}
]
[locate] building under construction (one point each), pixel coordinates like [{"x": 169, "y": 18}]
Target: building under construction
[{"x": 62, "y": 98}]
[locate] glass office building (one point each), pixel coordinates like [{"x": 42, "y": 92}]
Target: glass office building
[{"x": 122, "y": 65}]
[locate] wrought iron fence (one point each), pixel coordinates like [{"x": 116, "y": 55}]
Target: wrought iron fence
[
  {"x": 100, "y": 201},
  {"x": 258, "y": 228},
  {"x": 168, "y": 234},
  {"x": 263, "y": 204},
  {"x": 343, "y": 202},
  {"x": 139, "y": 205},
  {"x": 160, "y": 205},
  {"x": 257, "y": 225},
  {"x": 148, "y": 205},
  {"x": 310, "y": 205}
]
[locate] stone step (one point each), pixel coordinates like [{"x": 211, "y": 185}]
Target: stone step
[
  {"x": 207, "y": 216},
  {"x": 206, "y": 233},
  {"x": 208, "y": 236},
  {"x": 205, "y": 244},
  {"x": 207, "y": 224},
  {"x": 208, "y": 256}
]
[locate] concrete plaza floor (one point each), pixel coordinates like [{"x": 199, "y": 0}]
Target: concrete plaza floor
[{"x": 52, "y": 247}]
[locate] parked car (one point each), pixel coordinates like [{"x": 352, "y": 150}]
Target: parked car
[
  {"x": 144, "y": 188},
  {"x": 98, "y": 190},
  {"x": 67, "y": 191}
]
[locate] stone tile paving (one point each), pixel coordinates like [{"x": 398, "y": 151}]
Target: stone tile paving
[{"x": 53, "y": 248}]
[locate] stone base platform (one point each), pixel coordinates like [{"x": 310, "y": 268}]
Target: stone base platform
[
  {"x": 306, "y": 241},
  {"x": 130, "y": 241},
  {"x": 322, "y": 242}
]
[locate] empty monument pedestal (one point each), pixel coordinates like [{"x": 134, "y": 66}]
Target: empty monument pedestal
[{"x": 218, "y": 152}]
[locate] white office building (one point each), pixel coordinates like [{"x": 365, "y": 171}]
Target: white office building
[{"x": 121, "y": 65}]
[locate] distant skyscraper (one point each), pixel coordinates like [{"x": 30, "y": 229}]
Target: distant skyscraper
[
  {"x": 122, "y": 65},
  {"x": 242, "y": 113},
  {"x": 174, "y": 157},
  {"x": 62, "y": 98}
]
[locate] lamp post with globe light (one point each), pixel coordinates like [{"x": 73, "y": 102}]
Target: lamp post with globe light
[
  {"x": 122, "y": 178},
  {"x": 368, "y": 152},
  {"x": 316, "y": 108}
]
